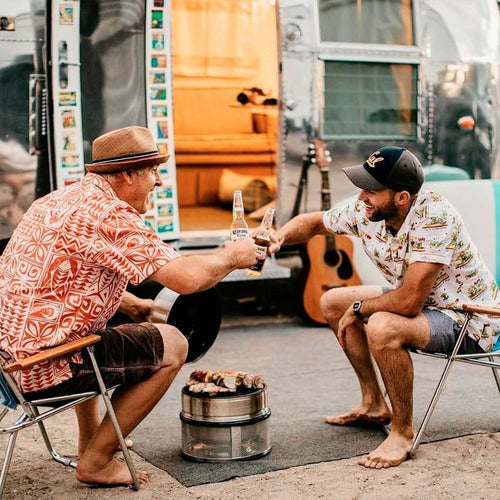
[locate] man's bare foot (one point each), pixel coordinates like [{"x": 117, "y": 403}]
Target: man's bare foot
[
  {"x": 128, "y": 442},
  {"x": 362, "y": 415},
  {"x": 390, "y": 453},
  {"x": 114, "y": 473}
]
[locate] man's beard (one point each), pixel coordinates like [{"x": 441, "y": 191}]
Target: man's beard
[{"x": 387, "y": 212}]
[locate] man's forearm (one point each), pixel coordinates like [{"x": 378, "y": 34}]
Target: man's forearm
[
  {"x": 395, "y": 301},
  {"x": 409, "y": 298},
  {"x": 127, "y": 303},
  {"x": 138, "y": 309},
  {"x": 195, "y": 273},
  {"x": 301, "y": 228}
]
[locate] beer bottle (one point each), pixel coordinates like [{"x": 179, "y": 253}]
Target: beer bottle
[
  {"x": 262, "y": 240},
  {"x": 239, "y": 228}
]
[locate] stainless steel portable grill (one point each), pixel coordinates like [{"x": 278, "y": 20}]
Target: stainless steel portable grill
[{"x": 227, "y": 426}]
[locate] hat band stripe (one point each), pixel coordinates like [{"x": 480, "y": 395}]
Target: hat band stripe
[{"x": 128, "y": 157}]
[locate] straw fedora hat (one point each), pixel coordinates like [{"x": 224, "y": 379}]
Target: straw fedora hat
[{"x": 129, "y": 147}]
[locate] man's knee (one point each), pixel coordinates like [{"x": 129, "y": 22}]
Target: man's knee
[
  {"x": 175, "y": 346},
  {"x": 382, "y": 331},
  {"x": 331, "y": 308}
]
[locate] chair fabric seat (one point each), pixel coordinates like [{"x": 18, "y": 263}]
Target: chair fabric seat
[{"x": 7, "y": 398}]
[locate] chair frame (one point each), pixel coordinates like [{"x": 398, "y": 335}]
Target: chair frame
[
  {"x": 31, "y": 413},
  {"x": 486, "y": 359}
]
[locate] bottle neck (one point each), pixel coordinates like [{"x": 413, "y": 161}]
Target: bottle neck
[
  {"x": 238, "y": 213},
  {"x": 267, "y": 222}
]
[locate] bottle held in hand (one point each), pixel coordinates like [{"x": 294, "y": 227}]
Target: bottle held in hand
[
  {"x": 239, "y": 227},
  {"x": 262, "y": 240}
]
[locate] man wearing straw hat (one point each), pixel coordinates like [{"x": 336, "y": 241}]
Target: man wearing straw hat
[{"x": 63, "y": 275}]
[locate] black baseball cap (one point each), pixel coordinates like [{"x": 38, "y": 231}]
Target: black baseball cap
[{"x": 388, "y": 167}]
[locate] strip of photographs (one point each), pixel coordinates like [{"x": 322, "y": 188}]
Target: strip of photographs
[
  {"x": 161, "y": 214},
  {"x": 70, "y": 161}
]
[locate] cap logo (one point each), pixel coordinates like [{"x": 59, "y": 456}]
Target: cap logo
[{"x": 372, "y": 161}]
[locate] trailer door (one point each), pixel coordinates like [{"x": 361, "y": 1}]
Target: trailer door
[{"x": 111, "y": 69}]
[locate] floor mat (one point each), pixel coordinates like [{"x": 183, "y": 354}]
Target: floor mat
[{"x": 309, "y": 377}]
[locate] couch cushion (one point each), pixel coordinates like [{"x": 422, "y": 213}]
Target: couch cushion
[{"x": 225, "y": 143}]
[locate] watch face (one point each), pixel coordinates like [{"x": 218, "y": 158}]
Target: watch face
[{"x": 356, "y": 307}]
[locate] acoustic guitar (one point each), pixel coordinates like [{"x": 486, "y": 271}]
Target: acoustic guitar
[{"x": 327, "y": 260}]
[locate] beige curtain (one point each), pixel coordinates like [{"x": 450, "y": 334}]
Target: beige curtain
[{"x": 215, "y": 38}]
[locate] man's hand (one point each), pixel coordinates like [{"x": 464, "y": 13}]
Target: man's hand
[
  {"x": 138, "y": 309},
  {"x": 346, "y": 321},
  {"x": 276, "y": 243},
  {"x": 242, "y": 252}
]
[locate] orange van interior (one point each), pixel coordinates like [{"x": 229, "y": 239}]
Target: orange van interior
[{"x": 222, "y": 49}]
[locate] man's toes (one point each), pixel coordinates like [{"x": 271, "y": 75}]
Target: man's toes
[
  {"x": 142, "y": 476},
  {"x": 370, "y": 463}
]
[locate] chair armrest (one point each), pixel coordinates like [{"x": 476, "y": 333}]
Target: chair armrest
[
  {"x": 481, "y": 310},
  {"x": 54, "y": 352}
]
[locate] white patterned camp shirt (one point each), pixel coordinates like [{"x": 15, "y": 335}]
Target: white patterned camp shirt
[{"x": 433, "y": 231}]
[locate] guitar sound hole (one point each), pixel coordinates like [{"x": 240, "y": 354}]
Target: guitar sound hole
[
  {"x": 332, "y": 257},
  {"x": 345, "y": 269}
]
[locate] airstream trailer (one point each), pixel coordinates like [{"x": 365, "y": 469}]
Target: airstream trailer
[{"x": 236, "y": 91}]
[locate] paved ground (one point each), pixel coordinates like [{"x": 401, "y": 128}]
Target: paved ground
[
  {"x": 454, "y": 469},
  {"x": 464, "y": 467}
]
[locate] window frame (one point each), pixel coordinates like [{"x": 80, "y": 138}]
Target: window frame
[{"x": 370, "y": 53}]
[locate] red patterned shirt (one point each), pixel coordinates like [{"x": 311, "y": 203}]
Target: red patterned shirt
[{"x": 65, "y": 270}]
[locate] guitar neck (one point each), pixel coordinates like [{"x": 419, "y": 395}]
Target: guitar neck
[{"x": 326, "y": 202}]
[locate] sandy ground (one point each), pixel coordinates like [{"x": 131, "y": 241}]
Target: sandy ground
[{"x": 465, "y": 467}]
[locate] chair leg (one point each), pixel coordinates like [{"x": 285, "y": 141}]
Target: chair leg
[
  {"x": 495, "y": 374},
  {"x": 4, "y": 412},
  {"x": 114, "y": 420},
  {"x": 430, "y": 409},
  {"x": 440, "y": 385},
  {"x": 6, "y": 460},
  {"x": 58, "y": 458}
]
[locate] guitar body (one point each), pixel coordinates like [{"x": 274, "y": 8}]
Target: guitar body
[
  {"x": 326, "y": 260},
  {"x": 323, "y": 270}
]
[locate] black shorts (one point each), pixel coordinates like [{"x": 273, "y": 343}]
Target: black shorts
[{"x": 126, "y": 355}]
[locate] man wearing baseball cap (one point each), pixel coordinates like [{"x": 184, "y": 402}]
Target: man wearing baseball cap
[
  {"x": 419, "y": 243},
  {"x": 63, "y": 275}
]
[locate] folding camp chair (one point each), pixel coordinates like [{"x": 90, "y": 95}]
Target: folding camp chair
[
  {"x": 489, "y": 359},
  {"x": 11, "y": 397}
]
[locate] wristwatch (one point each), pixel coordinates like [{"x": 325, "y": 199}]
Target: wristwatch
[{"x": 356, "y": 309}]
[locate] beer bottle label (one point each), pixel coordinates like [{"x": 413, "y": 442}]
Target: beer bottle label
[
  {"x": 239, "y": 233},
  {"x": 261, "y": 252}
]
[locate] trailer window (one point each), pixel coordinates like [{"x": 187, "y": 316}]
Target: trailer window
[
  {"x": 375, "y": 100},
  {"x": 366, "y": 21}
]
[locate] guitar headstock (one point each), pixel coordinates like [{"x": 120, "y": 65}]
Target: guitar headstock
[{"x": 321, "y": 154}]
